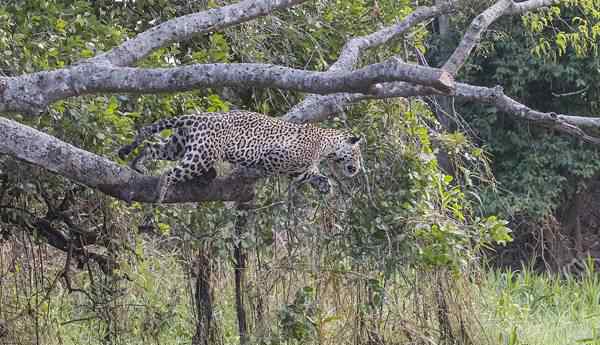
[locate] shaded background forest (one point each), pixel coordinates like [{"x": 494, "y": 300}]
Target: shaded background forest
[
  {"x": 547, "y": 185},
  {"x": 394, "y": 256}
]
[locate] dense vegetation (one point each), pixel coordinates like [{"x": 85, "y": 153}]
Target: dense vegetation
[
  {"x": 546, "y": 182},
  {"x": 396, "y": 255}
]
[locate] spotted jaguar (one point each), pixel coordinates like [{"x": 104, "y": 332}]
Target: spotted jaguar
[{"x": 247, "y": 140}]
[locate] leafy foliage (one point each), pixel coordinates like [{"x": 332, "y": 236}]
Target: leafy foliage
[{"x": 537, "y": 171}]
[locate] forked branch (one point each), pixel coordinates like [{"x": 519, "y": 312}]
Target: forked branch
[{"x": 472, "y": 36}]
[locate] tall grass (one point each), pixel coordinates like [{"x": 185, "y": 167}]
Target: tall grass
[
  {"x": 528, "y": 308},
  {"x": 309, "y": 302}
]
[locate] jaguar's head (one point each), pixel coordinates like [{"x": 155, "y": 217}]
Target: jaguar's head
[{"x": 347, "y": 155}]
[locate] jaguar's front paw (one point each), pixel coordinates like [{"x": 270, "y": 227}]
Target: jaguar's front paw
[{"x": 321, "y": 183}]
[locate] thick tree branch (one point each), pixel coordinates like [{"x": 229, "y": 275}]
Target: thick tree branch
[
  {"x": 324, "y": 107},
  {"x": 32, "y": 93},
  {"x": 97, "y": 172},
  {"x": 183, "y": 28}
]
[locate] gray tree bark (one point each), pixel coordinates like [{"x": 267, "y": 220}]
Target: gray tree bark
[{"x": 31, "y": 94}]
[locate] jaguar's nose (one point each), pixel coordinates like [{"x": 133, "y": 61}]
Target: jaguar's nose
[{"x": 351, "y": 169}]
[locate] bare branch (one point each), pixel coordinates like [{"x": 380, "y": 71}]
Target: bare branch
[
  {"x": 56, "y": 238},
  {"x": 60, "y": 241},
  {"x": 316, "y": 108},
  {"x": 562, "y": 123},
  {"x": 494, "y": 96},
  {"x": 580, "y": 121},
  {"x": 320, "y": 108},
  {"x": 183, "y": 28},
  {"x": 526, "y": 6},
  {"x": 354, "y": 47},
  {"x": 32, "y": 93},
  {"x": 97, "y": 172},
  {"x": 472, "y": 36}
]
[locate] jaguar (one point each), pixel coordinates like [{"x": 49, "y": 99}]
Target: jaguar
[{"x": 247, "y": 140}]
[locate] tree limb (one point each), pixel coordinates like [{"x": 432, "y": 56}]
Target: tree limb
[
  {"x": 526, "y": 6},
  {"x": 496, "y": 97},
  {"x": 472, "y": 36},
  {"x": 324, "y": 107},
  {"x": 34, "y": 92},
  {"x": 354, "y": 47},
  {"x": 56, "y": 238},
  {"x": 97, "y": 172},
  {"x": 315, "y": 107},
  {"x": 183, "y": 28},
  {"x": 59, "y": 241},
  {"x": 480, "y": 94}
]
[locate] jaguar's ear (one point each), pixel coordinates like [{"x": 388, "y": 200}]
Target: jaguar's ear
[{"x": 354, "y": 140}]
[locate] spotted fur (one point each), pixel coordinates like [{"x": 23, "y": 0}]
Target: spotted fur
[{"x": 248, "y": 140}]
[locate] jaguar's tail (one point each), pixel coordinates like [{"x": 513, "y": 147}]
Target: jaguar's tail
[{"x": 157, "y": 127}]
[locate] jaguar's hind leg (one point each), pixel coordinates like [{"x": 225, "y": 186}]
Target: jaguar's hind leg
[{"x": 190, "y": 167}]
